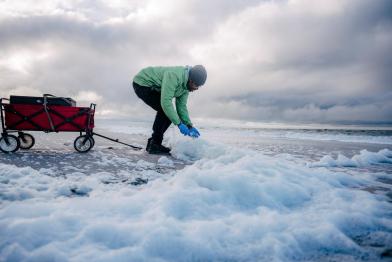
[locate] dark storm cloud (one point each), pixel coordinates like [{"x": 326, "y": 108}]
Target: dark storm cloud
[
  {"x": 90, "y": 54},
  {"x": 318, "y": 67},
  {"x": 317, "y": 108},
  {"x": 295, "y": 60},
  {"x": 87, "y": 56}
]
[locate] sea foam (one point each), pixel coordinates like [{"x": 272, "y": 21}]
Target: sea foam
[{"x": 228, "y": 204}]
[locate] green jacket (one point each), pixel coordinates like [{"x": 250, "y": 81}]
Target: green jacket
[{"x": 172, "y": 83}]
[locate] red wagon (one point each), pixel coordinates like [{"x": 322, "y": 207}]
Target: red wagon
[{"x": 47, "y": 114}]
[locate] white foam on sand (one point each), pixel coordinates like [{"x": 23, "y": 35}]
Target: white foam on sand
[
  {"x": 338, "y": 137},
  {"x": 164, "y": 161},
  {"x": 228, "y": 205},
  {"x": 363, "y": 159}
]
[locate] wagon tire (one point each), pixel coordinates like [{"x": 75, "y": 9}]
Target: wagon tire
[
  {"x": 92, "y": 141},
  {"x": 83, "y": 144},
  {"x": 9, "y": 143},
  {"x": 27, "y": 141}
]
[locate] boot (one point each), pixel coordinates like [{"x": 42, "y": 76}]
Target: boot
[
  {"x": 166, "y": 149},
  {"x": 157, "y": 149},
  {"x": 148, "y": 144}
]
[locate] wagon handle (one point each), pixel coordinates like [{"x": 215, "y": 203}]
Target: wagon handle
[
  {"x": 47, "y": 111},
  {"x": 117, "y": 141}
]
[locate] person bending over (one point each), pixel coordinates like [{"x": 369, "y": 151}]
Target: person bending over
[{"x": 157, "y": 87}]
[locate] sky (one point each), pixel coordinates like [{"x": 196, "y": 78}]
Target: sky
[{"x": 289, "y": 61}]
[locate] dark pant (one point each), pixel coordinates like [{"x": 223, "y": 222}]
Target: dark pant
[{"x": 153, "y": 99}]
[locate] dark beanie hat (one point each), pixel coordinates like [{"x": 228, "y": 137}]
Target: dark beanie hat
[{"x": 198, "y": 75}]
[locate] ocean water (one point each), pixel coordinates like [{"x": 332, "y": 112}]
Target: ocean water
[
  {"x": 234, "y": 194},
  {"x": 310, "y": 144}
]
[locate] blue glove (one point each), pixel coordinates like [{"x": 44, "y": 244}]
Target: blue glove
[
  {"x": 183, "y": 129},
  {"x": 193, "y": 132}
]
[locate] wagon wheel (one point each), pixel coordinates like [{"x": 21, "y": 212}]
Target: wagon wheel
[
  {"x": 27, "y": 141},
  {"x": 92, "y": 141},
  {"x": 9, "y": 143},
  {"x": 83, "y": 143}
]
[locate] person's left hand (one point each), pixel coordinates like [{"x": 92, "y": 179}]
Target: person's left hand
[{"x": 193, "y": 132}]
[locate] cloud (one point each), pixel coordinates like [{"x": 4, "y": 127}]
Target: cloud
[
  {"x": 294, "y": 60},
  {"x": 289, "y": 55}
]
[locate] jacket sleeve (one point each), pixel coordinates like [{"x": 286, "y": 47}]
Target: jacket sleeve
[
  {"x": 169, "y": 84},
  {"x": 182, "y": 110}
]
